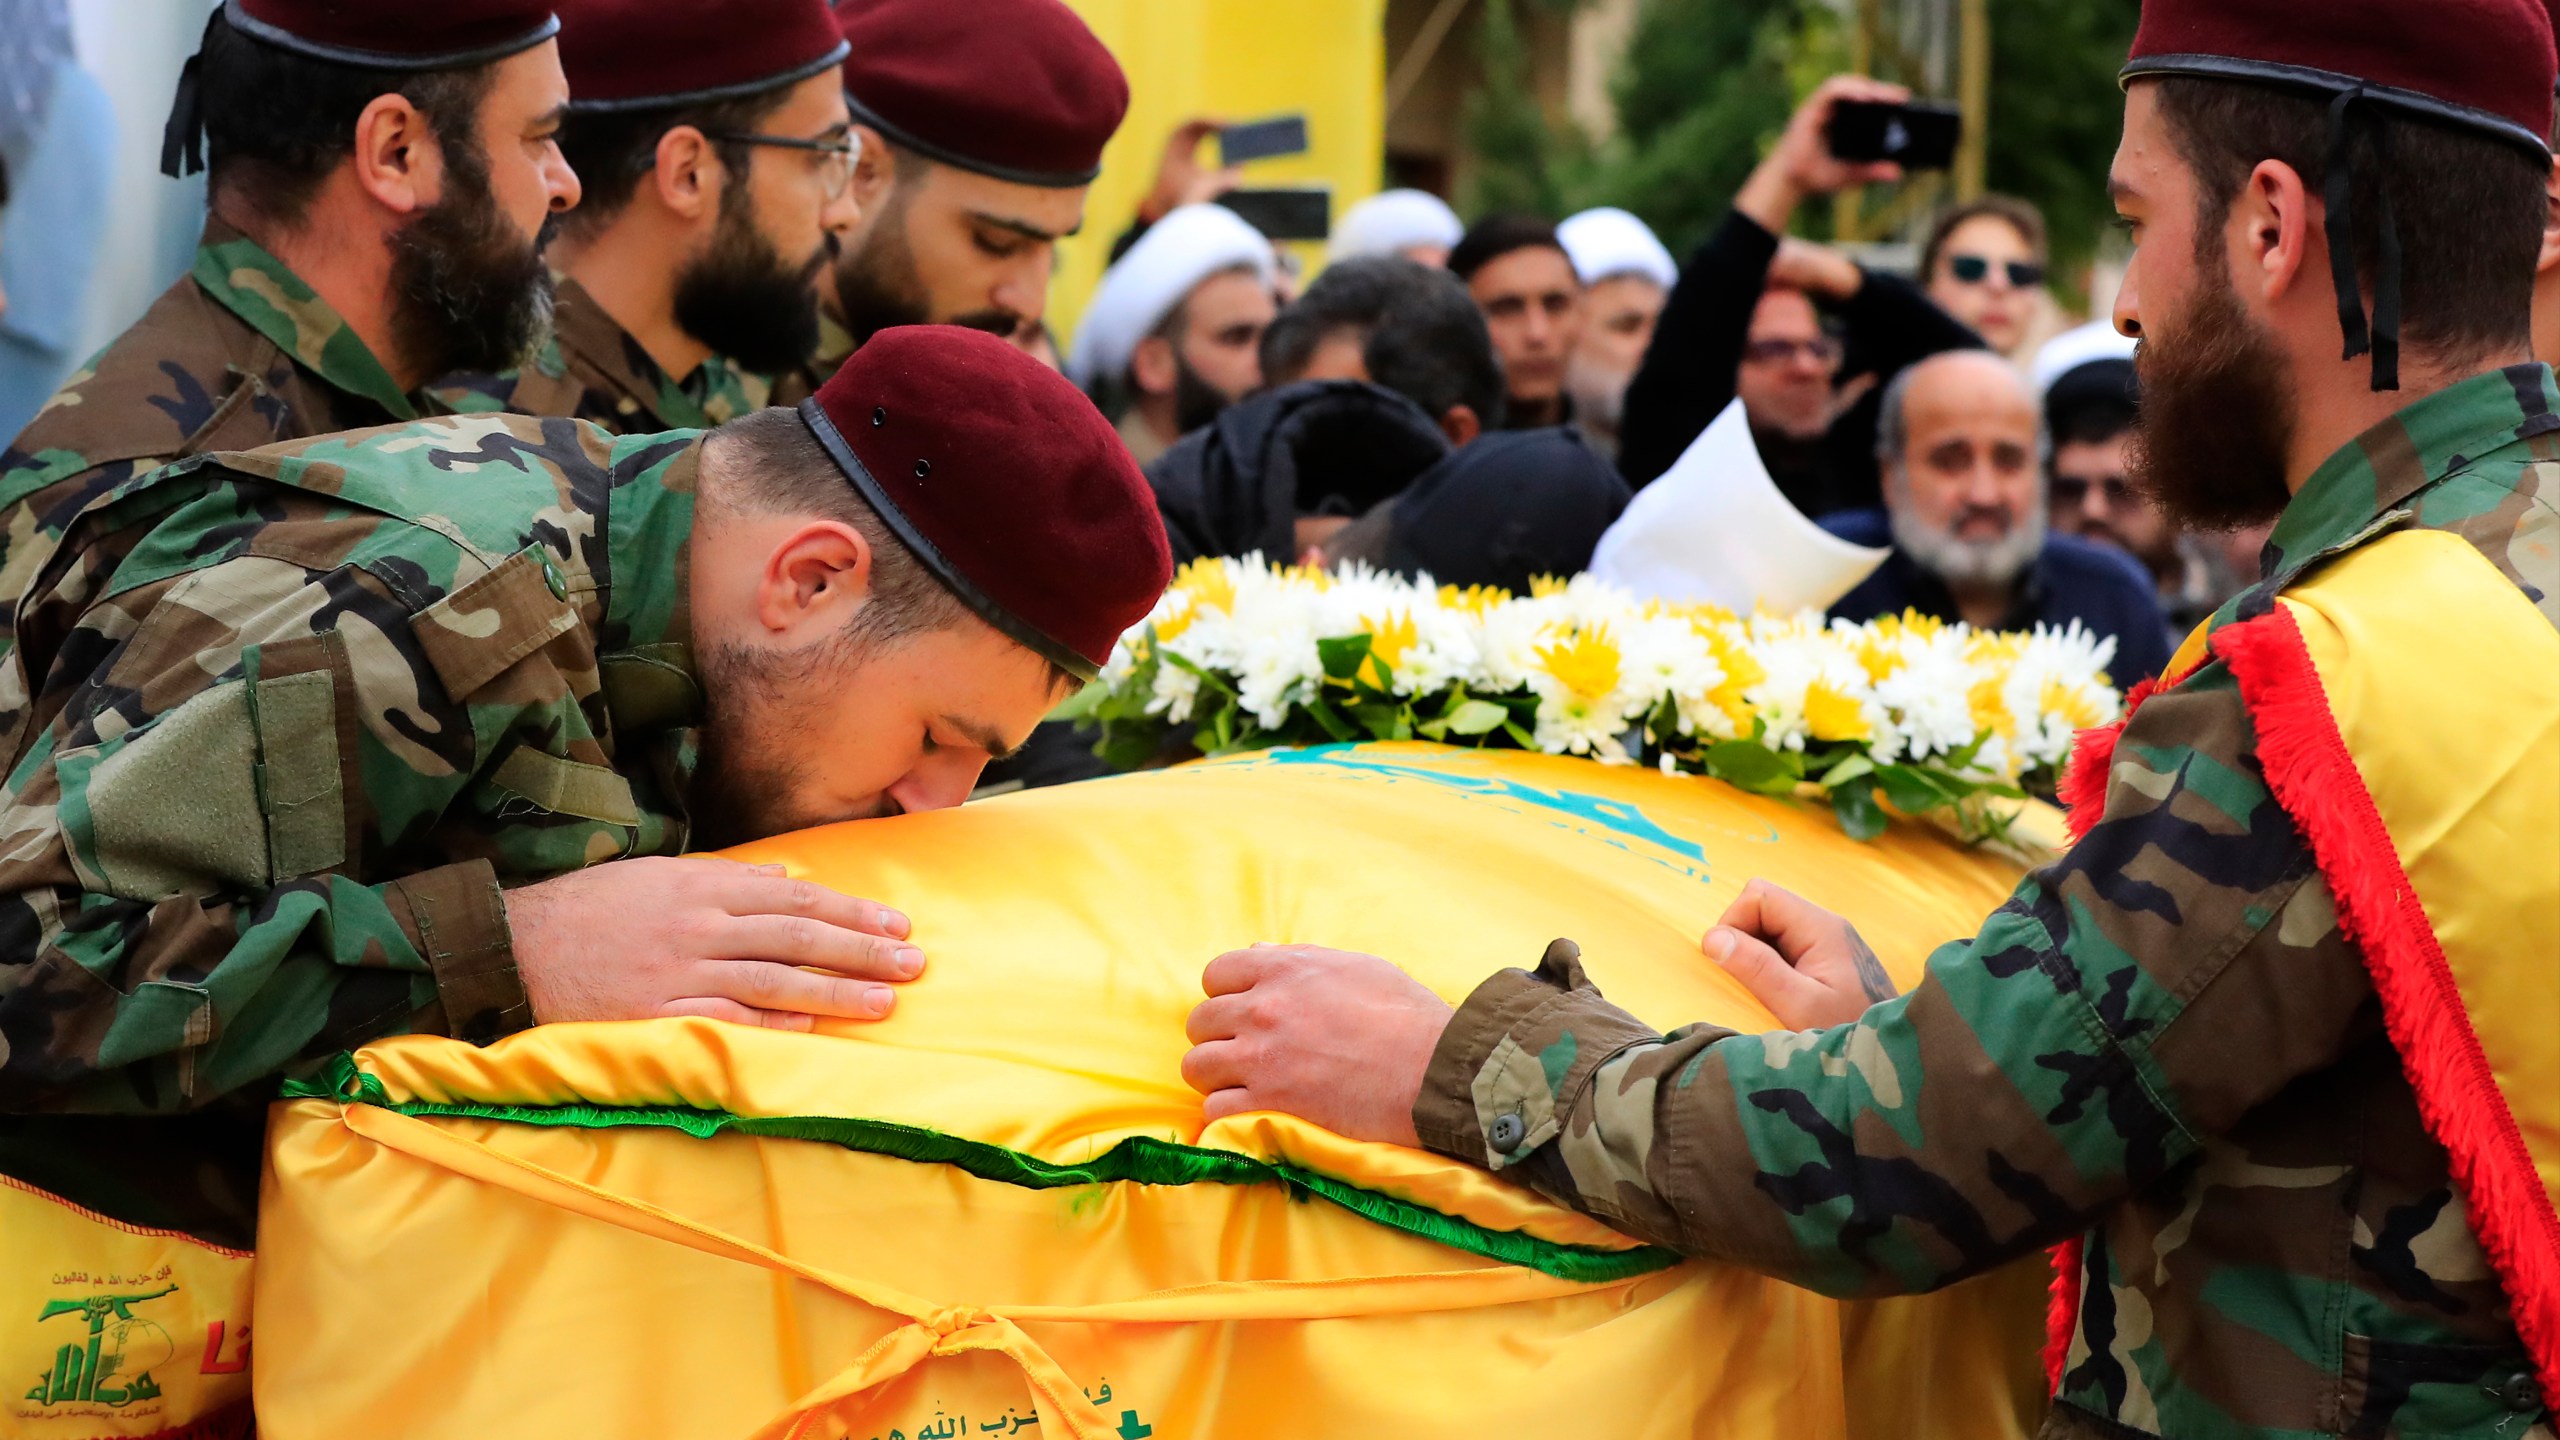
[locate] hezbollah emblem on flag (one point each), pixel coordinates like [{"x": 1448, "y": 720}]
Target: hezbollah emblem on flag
[{"x": 113, "y": 1366}]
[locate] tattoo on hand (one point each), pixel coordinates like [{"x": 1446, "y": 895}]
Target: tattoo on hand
[{"x": 1871, "y": 976}]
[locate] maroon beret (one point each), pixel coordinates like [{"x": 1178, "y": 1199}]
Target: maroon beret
[
  {"x": 2488, "y": 65},
  {"x": 446, "y": 35},
  {"x": 1004, "y": 480},
  {"x": 1018, "y": 89},
  {"x": 642, "y": 54}
]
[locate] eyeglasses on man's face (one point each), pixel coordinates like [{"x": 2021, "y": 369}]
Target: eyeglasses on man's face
[
  {"x": 2071, "y": 492},
  {"x": 835, "y": 152},
  {"x": 1975, "y": 269}
]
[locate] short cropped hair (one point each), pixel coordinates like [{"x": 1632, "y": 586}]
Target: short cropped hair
[
  {"x": 767, "y": 463},
  {"x": 612, "y": 149},
  {"x": 277, "y": 122},
  {"x": 1495, "y": 236},
  {"x": 2020, "y": 216},
  {"x": 2469, "y": 209},
  {"x": 1420, "y": 335}
]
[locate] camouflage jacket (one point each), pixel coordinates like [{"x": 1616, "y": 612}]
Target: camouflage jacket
[
  {"x": 239, "y": 353},
  {"x": 2161, "y": 1043},
  {"x": 593, "y": 370},
  {"x": 280, "y": 726}
]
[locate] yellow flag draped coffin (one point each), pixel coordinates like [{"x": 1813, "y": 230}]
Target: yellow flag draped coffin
[{"x": 1000, "y": 1210}]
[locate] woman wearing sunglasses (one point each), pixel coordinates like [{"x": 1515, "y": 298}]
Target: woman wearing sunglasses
[{"x": 1984, "y": 264}]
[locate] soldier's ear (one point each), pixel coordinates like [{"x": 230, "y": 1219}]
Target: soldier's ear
[
  {"x": 689, "y": 175},
  {"x": 815, "y": 577},
  {"x": 875, "y": 169},
  {"x": 397, "y": 160}
]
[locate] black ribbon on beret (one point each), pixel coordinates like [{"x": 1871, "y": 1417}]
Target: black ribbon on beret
[
  {"x": 2338, "y": 187},
  {"x": 182, "y": 139}
]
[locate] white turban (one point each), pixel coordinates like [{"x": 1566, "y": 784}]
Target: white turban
[
  {"x": 1608, "y": 242},
  {"x": 2076, "y": 347},
  {"x": 1158, "y": 273},
  {"x": 1394, "y": 220}
]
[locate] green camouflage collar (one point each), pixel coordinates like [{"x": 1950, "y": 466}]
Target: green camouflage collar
[
  {"x": 265, "y": 293},
  {"x": 2428, "y": 440},
  {"x": 715, "y": 393}
]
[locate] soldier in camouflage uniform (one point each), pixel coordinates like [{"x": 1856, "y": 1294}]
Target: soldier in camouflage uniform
[
  {"x": 397, "y": 731},
  {"x": 981, "y": 127},
  {"x": 717, "y": 157},
  {"x": 2163, "y": 1047},
  {"x": 379, "y": 182}
]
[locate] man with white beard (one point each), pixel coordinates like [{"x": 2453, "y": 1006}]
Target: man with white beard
[{"x": 1961, "y": 447}]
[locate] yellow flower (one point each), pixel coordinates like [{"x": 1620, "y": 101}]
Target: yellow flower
[
  {"x": 1990, "y": 709},
  {"x": 1388, "y": 641},
  {"x": 2072, "y": 703},
  {"x": 1997, "y": 648},
  {"x": 1474, "y": 600},
  {"x": 1741, "y": 668},
  {"x": 1209, "y": 583},
  {"x": 1545, "y": 587},
  {"x": 1879, "y": 653},
  {"x": 1585, "y": 663},
  {"x": 1832, "y": 713}
]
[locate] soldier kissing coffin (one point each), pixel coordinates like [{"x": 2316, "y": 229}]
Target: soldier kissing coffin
[{"x": 1000, "y": 1211}]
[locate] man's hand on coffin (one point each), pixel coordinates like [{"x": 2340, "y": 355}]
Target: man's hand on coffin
[
  {"x": 661, "y": 936},
  {"x": 1338, "y": 1038},
  {"x": 1803, "y": 962}
]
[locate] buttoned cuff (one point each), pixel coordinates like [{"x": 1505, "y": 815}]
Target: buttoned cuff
[
  {"x": 1502, "y": 1081},
  {"x": 458, "y": 917}
]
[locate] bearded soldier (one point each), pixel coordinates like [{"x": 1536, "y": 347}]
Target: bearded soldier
[
  {"x": 381, "y": 178},
  {"x": 981, "y": 127},
  {"x": 717, "y": 159},
  {"x": 408, "y": 731},
  {"x": 2274, "y": 1049}
]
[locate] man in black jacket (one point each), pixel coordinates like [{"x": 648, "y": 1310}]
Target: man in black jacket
[{"x": 1746, "y": 319}]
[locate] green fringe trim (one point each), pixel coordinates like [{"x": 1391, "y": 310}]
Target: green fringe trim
[{"x": 1137, "y": 1160}]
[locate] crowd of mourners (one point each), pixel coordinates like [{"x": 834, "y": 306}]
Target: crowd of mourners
[{"x": 1479, "y": 402}]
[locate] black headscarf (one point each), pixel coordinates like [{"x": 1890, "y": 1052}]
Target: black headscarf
[
  {"x": 1320, "y": 447},
  {"x": 1507, "y": 508}
]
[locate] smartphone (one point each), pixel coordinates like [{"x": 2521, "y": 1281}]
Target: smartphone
[
  {"x": 1296, "y": 213},
  {"x": 1917, "y": 136},
  {"x": 1262, "y": 139}
]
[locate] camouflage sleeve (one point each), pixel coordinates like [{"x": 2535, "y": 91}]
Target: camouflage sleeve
[
  {"x": 2179, "y": 966},
  {"x": 223, "y": 752}
]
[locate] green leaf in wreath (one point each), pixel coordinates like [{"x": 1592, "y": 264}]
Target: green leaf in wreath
[
  {"x": 1384, "y": 722},
  {"x": 1861, "y": 818},
  {"x": 1914, "y": 791},
  {"x": 1342, "y": 654},
  {"x": 1323, "y": 713},
  {"x": 1477, "y": 717},
  {"x": 1753, "y": 766},
  {"x": 1846, "y": 771}
]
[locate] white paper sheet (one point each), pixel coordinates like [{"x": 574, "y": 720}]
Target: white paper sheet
[{"x": 1716, "y": 528}]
